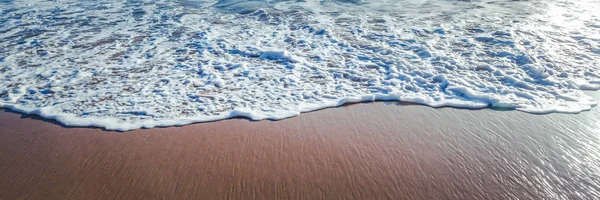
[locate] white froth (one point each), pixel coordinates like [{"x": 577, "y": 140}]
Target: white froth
[{"x": 126, "y": 65}]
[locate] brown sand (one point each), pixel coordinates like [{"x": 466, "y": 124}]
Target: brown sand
[{"x": 364, "y": 151}]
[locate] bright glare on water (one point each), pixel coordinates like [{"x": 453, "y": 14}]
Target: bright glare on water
[{"x": 142, "y": 63}]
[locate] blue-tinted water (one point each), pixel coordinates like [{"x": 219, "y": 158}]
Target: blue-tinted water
[{"x": 139, "y": 63}]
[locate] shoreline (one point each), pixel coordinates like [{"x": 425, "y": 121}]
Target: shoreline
[
  {"x": 37, "y": 116},
  {"x": 377, "y": 150}
]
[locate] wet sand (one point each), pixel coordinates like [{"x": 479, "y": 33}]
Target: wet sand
[{"x": 363, "y": 151}]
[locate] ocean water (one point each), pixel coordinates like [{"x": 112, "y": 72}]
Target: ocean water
[{"x": 128, "y": 64}]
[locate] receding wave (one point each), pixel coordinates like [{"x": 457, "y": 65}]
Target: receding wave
[{"x": 138, "y": 63}]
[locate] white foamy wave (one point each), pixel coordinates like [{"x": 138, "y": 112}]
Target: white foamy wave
[{"x": 138, "y": 63}]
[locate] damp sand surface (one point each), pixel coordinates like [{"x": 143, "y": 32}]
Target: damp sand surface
[{"x": 376, "y": 150}]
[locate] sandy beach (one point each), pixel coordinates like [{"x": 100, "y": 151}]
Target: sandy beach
[
  {"x": 381, "y": 150},
  {"x": 304, "y": 99}
]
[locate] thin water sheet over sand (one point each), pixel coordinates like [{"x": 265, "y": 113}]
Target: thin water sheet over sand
[{"x": 364, "y": 151}]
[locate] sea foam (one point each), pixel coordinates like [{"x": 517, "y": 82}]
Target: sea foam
[{"x": 129, "y": 64}]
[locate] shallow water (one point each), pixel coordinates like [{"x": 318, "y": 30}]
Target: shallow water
[
  {"x": 139, "y": 63},
  {"x": 364, "y": 151}
]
